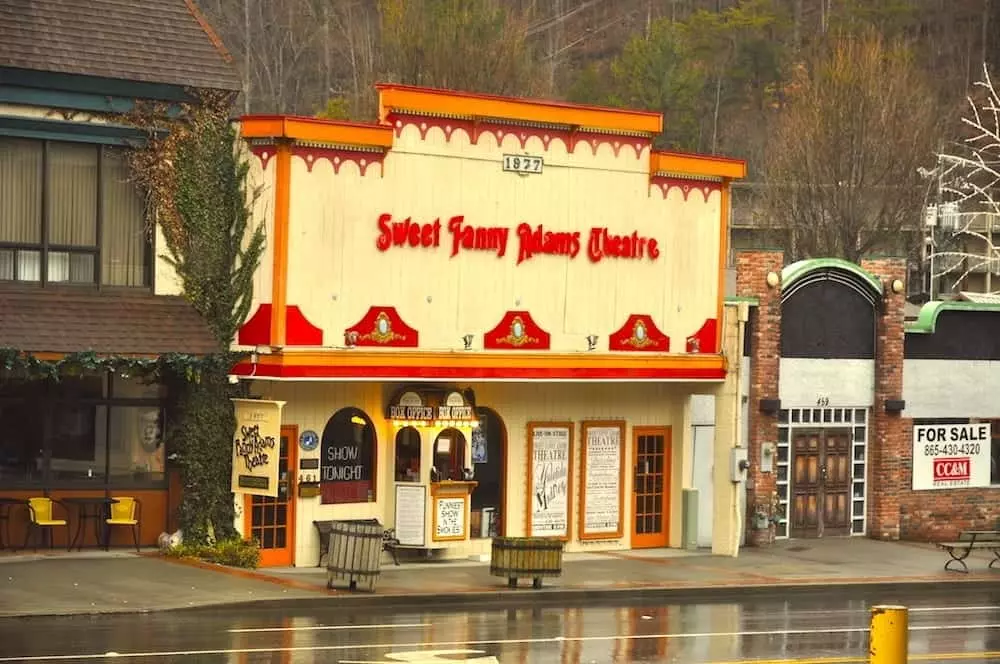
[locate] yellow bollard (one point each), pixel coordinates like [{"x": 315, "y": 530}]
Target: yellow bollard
[{"x": 888, "y": 642}]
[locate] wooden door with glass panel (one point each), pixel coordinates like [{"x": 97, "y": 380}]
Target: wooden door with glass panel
[
  {"x": 821, "y": 483},
  {"x": 650, "y": 487},
  {"x": 271, "y": 521}
]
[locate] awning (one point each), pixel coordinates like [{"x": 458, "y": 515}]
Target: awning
[{"x": 65, "y": 321}]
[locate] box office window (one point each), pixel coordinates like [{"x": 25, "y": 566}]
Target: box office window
[
  {"x": 69, "y": 215},
  {"x": 408, "y": 455},
  {"x": 78, "y": 432}
]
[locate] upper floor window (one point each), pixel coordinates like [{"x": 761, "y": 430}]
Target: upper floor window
[{"x": 68, "y": 214}]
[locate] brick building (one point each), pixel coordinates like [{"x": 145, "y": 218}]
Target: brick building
[{"x": 860, "y": 422}]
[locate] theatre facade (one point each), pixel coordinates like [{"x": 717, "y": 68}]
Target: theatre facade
[{"x": 488, "y": 316}]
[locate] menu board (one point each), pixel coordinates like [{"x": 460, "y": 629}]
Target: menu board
[
  {"x": 549, "y": 479},
  {"x": 449, "y": 518},
  {"x": 601, "y": 497},
  {"x": 411, "y": 501}
]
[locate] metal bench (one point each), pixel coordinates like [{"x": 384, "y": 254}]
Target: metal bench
[
  {"x": 389, "y": 540},
  {"x": 968, "y": 541}
]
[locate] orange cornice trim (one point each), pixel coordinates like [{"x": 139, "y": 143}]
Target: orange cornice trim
[
  {"x": 361, "y": 358},
  {"x": 679, "y": 163},
  {"x": 469, "y": 105},
  {"x": 315, "y": 130}
]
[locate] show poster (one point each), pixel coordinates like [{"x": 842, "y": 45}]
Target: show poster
[
  {"x": 551, "y": 461},
  {"x": 602, "y": 483},
  {"x": 411, "y": 501},
  {"x": 951, "y": 456},
  {"x": 257, "y": 447}
]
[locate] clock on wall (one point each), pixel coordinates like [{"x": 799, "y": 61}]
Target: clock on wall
[{"x": 308, "y": 440}]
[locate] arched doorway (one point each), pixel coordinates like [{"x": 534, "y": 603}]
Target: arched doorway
[{"x": 489, "y": 461}]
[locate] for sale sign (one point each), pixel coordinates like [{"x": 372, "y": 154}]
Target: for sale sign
[{"x": 948, "y": 456}]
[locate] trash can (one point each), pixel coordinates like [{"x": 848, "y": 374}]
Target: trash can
[
  {"x": 532, "y": 557},
  {"x": 355, "y": 553}
]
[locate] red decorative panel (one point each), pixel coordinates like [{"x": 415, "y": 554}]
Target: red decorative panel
[
  {"x": 338, "y": 157},
  {"x": 517, "y": 331},
  {"x": 381, "y": 326},
  {"x": 298, "y": 330},
  {"x": 686, "y": 186},
  {"x": 639, "y": 333},
  {"x": 264, "y": 153},
  {"x": 637, "y": 145},
  {"x": 257, "y": 330},
  {"x": 703, "y": 341}
]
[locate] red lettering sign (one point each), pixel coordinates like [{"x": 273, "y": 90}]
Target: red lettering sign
[
  {"x": 951, "y": 468},
  {"x": 532, "y": 240}
]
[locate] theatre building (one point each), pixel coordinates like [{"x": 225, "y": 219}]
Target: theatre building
[{"x": 487, "y": 316}]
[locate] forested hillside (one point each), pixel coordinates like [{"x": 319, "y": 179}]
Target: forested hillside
[{"x": 720, "y": 70}]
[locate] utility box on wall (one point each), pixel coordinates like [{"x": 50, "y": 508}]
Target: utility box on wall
[{"x": 689, "y": 519}]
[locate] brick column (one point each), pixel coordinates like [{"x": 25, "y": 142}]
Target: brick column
[
  {"x": 752, "y": 268},
  {"x": 890, "y": 450}
]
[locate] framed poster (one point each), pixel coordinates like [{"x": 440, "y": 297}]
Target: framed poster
[
  {"x": 550, "y": 478},
  {"x": 411, "y": 501},
  {"x": 449, "y": 518},
  {"x": 602, "y": 490}
]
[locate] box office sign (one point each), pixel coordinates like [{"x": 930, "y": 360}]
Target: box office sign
[
  {"x": 257, "y": 447},
  {"x": 948, "y": 456}
]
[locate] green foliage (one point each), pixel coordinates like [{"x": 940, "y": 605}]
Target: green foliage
[
  {"x": 188, "y": 368},
  {"x": 233, "y": 552},
  {"x": 337, "y": 108},
  {"x": 196, "y": 184},
  {"x": 475, "y": 45}
]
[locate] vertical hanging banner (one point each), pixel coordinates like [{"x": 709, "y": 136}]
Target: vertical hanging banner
[
  {"x": 550, "y": 478},
  {"x": 257, "y": 447}
]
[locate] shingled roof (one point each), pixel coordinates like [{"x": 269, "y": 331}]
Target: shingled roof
[
  {"x": 150, "y": 41},
  {"x": 67, "y": 321}
]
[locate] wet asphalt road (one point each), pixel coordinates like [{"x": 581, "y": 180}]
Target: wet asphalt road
[{"x": 945, "y": 626}]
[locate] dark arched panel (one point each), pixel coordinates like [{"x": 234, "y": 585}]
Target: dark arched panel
[
  {"x": 348, "y": 458},
  {"x": 958, "y": 335},
  {"x": 828, "y": 319}
]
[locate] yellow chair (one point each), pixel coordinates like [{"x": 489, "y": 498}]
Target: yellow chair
[
  {"x": 126, "y": 511},
  {"x": 41, "y": 517}
]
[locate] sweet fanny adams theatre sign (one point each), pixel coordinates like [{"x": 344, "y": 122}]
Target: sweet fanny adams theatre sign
[
  {"x": 257, "y": 447},
  {"x": 531, "y": 240}
]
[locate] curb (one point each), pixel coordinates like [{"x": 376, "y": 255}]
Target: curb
[{"x": 527, "y": 598}]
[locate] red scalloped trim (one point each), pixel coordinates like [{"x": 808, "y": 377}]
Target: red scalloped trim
[
  {"x": 703, "y": 341},
  {"x": 298, "y": 330},
  {"x": 475, "y": 129},
  {"x": 505, "y": 337},
  {"x": 337, "y": 157},
  {"x": 393, "y": 334},
  {"x": 264, "y": 153},
  {"x": 629, "y": 337},
  {"x": 686, "y": 186}
]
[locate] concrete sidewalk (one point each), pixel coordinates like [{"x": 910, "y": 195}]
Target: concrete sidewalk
[{"x": 99, "y": 582}]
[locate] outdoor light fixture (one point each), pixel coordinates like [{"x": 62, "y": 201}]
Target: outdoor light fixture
[
  {"x": 467, "y": 340},
  {"x": 591, "y": 341},
  {"x": 773, "y": 279},
  {"x": 350, "y": 338},
  {"x": 897, "y": 286}
]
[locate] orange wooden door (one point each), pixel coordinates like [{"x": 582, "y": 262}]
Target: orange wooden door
[
  {"x": 271, "y": 521},
  {"x": 651, "y": 487}
]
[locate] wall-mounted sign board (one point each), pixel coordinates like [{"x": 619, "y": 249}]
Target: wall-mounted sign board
[
  {"x": 411, "y": 503},
  {"x": 550, "y": 478},
  {"x": 602, "y": 493},
  {"x": 522, "y": 163}
]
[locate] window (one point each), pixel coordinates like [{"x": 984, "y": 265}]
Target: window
[
  {"x": 407, "y": 455},
  {"x": 347, "y": 458},
  {"x": 449, "y": 455},
  {"x": 90, "y": 431},
  {"x": 69, "y": 215}
]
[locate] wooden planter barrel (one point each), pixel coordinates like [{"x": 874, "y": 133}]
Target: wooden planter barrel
[
  {"x": 530, "y": 557},
  {"x": 354, "y": 554}
]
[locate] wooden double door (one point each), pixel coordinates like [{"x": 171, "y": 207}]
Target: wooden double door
[{"x": 820, "y": 483}]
